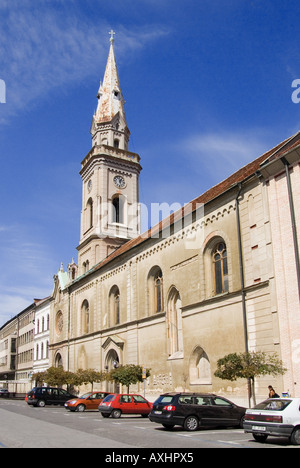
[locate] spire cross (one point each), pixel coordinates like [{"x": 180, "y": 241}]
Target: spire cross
[{"x": 112, "y": 33}]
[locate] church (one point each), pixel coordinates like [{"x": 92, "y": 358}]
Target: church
[{"x": 219, "y": 275}]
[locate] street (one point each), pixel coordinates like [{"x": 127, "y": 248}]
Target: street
[{"x": 55, "y": 427}]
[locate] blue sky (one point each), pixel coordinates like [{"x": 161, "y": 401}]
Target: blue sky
[{"x": 207, "y": 83}]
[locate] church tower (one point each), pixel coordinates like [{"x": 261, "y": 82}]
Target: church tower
[{"x": 110, "y": 177}]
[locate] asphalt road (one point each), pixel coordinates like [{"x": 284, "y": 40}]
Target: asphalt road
[{"x": 54, "y": 427}]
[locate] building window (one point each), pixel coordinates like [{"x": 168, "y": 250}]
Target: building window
[
  {"x": 85, "y": 317},
  {"x": 118, "y": 209},
  {"x": 114, "y": 304},
  {"x": 89, "y": 214},
  {"x": 155, "y": 290},
  {"x": 158, "y": 286},
  {"x": 174, "y": 324},
  {"x": 220, "y": 268}
]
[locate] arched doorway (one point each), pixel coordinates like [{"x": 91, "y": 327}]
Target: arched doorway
[
  {"x": 58, "y": 360},
  {"x": 112, "y": 361}
]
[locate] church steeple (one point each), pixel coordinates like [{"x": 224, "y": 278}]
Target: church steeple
[
  {"x": 110, "y": 177},
  {"x": 109, "y": 124}
]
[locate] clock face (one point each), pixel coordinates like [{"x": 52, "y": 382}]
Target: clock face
[
  {"x": 119, "y": 181},
  {"x": 90, "y": 185}
]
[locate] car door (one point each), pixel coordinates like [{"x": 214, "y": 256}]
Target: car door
[
  {"x": 224, "y": 412},
  {"x": 54, "y": 398},
  {"x": 63, "y": 396},
  {"x": 94, "y": 400},
  {"x": 126, "y": 404},
  {"x": 204, "y": 408},
  {"x": 141, "y": 405}
]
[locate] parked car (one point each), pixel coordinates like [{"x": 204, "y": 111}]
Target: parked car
[
  {"x": 117, "y": 404},
  {"x": 192, "y": 410},
  {"x": 88, "y": 401},
  {"x": 274, "y": 417},
  {"x": 42, "y": 396},
  {"x": 4, "y": 393}
]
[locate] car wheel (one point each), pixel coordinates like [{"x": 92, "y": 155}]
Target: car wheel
[
  {"x": 295, "y": 437},
  {"x": 80, "y": 408},
  {"x": 191, "y": 423},
  {"x": 41, "y": 404},
  {"x": 260, "y": 437},
  {"x": 116, "y": 413}
]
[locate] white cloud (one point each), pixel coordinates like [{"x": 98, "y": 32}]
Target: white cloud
[
  {"x": 43, "y": 49},
  {"x": 27, "y": 269},
  {"x": 220, "y": 154}
]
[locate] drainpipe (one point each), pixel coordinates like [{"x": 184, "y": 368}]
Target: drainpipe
[
  {"x": 241, "y": 267},
  {"x": 238, "y": 220},
  {"x": 293, "y": 219}
]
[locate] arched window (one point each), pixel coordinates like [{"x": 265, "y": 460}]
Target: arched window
[
  {"x": 118, "y": 209},
  {"x": 114, "y": 304},
  {"x": 155, "y": 290},
  {"x": 89, "y": 207},
  {"x": 85, "y": 317},
  {"x": 158, "y": 284},
  {"x": 174, "y": 323},
  {"x": 220, "y": 268}
]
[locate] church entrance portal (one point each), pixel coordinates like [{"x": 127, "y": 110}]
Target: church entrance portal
[{"x": 112, "y": 362}]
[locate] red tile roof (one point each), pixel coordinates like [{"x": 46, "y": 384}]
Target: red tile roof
[{"x": 214, "y": 192}]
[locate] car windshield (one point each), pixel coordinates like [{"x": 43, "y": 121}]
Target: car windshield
[
  {"x": 83, "y": 397},
  {"x": 273, "y": 405}
]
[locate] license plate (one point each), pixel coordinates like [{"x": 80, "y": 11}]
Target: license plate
[
  {"x": 259, "y": 428},
  {"x": 157, "y": 412}
]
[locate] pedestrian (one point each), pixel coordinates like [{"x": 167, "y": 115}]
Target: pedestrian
[{"x": 272, "y": 393}]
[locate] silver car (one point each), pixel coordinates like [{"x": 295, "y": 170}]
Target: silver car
[{"x": 278, "y": 417}]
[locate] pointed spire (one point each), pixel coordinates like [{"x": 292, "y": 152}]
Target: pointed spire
[{"x": 110, "y": 96}]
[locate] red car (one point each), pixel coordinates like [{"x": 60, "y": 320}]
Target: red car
[
  {"x": 88, "y": 401},
  {"x": 115, "y": 405}
]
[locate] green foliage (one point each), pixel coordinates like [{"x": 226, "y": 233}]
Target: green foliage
[
  {"x": 57, "y": 377},
  {"x": 128, "y": 375},
  {"x": 249, "y": 365}
]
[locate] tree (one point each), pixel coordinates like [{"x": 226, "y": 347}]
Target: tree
[
  {"x": 248, "y": 366},
  {"x": 128, "y": 375},
  {"x": 89, "y": 376}
]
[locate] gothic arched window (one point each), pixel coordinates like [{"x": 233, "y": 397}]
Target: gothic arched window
[
  {"x": 174, "y": 323},
  {"x": 220, "y": 268},
  {"x": 158, "y": 288},
  {"x": 85, "y": 317},
  {"x": 114, "y": 304},
  {"x": 155, "y": 290}
]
